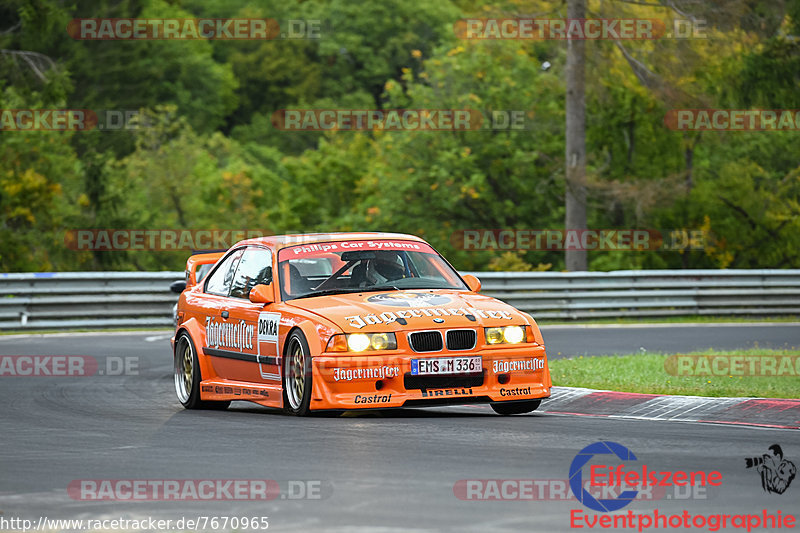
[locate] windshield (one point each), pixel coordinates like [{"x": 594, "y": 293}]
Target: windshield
[{"x": 361, "y": 266}]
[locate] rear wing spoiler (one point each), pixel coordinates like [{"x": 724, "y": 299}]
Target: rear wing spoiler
[{"x": 194, "y": 271}]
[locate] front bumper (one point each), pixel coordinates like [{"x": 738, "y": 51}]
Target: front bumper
[{"x": 347, "y": 381}]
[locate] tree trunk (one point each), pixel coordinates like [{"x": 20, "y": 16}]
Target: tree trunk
[
  {"x": 576, "y": 138},
  {"x": 689, "y": 158}
]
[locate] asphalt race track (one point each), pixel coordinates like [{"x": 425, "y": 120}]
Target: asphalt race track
[
  {"x": 380, "y": 471},
  {"x": 566, "y": 341}
]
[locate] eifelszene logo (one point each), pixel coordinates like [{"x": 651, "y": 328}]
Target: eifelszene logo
[
  {"x": 628, "y": 481},
  {"x": 604, "y": 505},
  {"x": 776, "y": 472}
]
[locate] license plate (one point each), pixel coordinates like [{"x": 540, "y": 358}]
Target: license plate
[{"x": 446, "y": 365}]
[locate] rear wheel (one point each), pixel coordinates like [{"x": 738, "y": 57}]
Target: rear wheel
[
  {"x": 516, "y": 407},
  {"x": 187, "y": 376},
  {"x": 297, "y": 375}
]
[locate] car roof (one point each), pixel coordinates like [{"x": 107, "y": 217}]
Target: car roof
[{"x": 282, "y": 241}]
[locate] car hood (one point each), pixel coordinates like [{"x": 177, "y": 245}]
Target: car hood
[{"x": 419, "y": 309}]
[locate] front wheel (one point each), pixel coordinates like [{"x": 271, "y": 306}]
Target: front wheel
[
  {"x": 516, "y": 407},
  {"x": 187, "y": 376},
  {"x": 297, "y": 375}
]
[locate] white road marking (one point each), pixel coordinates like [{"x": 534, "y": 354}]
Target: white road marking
[
  {"x": 131, "y": 332},
  {"x": 158, "y": 338}
]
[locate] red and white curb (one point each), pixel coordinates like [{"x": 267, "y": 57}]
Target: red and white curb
[{"x": 761, "y": 412}]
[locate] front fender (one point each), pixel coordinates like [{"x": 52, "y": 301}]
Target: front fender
[
  {"x": 316, "y": 334},
  {"x": 535, "y": 327}
]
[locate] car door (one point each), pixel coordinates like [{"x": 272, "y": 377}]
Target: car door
[
  {"x": 219, "y": 337},
  {"x": 255, "y": 268}
]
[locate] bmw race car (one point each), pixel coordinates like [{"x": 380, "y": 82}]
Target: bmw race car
[{"x": 349, "y": 321}]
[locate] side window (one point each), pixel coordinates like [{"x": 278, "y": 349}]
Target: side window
[
  {"x": 254, "y": 268},
  {"x": 220, "y": 281},
  {"x": 202, "y": 270}
]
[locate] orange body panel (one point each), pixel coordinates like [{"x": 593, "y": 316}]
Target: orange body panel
[{"x": 240, "y": 344}]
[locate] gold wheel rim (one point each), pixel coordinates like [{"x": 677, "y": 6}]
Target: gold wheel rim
[
  {"x": 296, "y": 374},
  {"x": 184, "y": 370},
  {"x": 187, "y": 367}
]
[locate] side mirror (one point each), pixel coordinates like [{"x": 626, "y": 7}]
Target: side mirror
[
  {"x": 178, "y": 286},
  {"x": 473, "y": 283},
  {"x": 262, "y": 294}
]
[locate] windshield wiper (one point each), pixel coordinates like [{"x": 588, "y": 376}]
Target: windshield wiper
[
  {"x": 347, "y": 290},
  {"x": 327, "y": 292},
  {"x": 420, "y": 287}
]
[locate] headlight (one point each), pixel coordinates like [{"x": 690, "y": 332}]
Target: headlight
[
  {"x": 514, "y": 334},
  {"x": 362, "y": 342},
  {"x": 381, "y": 341},
  {"x": 358, "y": 342},
  {"x": 494, "y": 335},
  {"x": 505, "y": 335}
]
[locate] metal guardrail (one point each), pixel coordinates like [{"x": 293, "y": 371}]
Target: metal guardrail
[
  {"x": 143, "y": 299},
  {"x": 647, "y": 293},
  {"x": 86, "y": 300}
]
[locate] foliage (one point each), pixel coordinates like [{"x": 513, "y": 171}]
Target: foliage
[
  {"x": 207, "y": 155},
  {"x": 512, "y": 262}
]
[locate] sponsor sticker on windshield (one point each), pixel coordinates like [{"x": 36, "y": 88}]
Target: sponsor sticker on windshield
[{"x": 316, "y": 249}]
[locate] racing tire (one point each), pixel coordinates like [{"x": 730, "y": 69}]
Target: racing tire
[
  {"x": 297, "y": 375},
  {"x": 516, "y": 407},
  {"x": 187, "y": 376}
]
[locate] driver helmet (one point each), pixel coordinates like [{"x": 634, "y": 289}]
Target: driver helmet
[{"x": 386, "y": 266}]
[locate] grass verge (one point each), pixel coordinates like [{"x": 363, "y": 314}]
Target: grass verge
[{"x": 647, "y": 373}]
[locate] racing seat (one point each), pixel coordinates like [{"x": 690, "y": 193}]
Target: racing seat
[
  {"x": 297, "y": 282},
  {"x": 359, "y": 276}
]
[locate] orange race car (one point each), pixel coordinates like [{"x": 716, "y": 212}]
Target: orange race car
[{"x": 349, "y": 321}]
